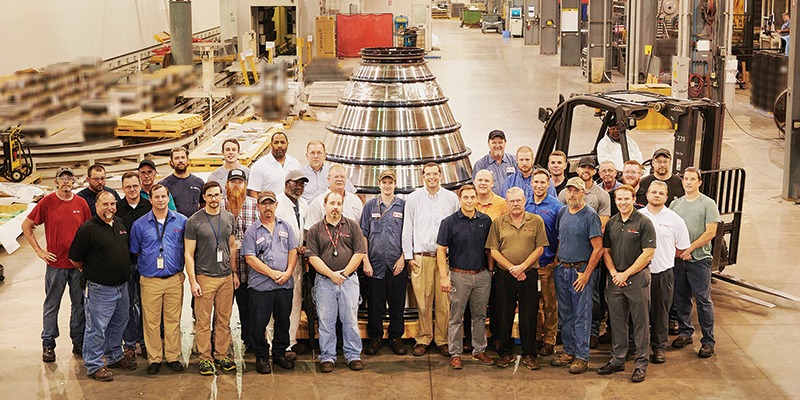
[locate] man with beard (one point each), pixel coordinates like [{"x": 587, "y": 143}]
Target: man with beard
[
  {"x": 557, "y": 165},
  {"x": 184, "y": 187},
  {"x": 207, "y": 251},
  {"x": 245, "y": 213},
  {"x": 546, "y": 207},
  {"x": 629, "y": 244},
  {"x": 609, "y": 147},
  {"x": 96, "y": 176},
  {"x": 129, "y": 209},
  {"x": 662, "y": 171},
  {"x": 100, "y": 251},
  {"x": 498, "y": 162},
  {"x": 580, "y": 246},
  {"x": 671, "y": 235},
  {"x": 632, "y": 176},
  {"x": 426, "y": 207},
  {"x": 521, "y": 178},
  {"x": 317, "y": 172},
  {"x": 230, "y": 161},
  {"x": 517, "y": 241},
  {"x": 292, "y": 209},
  {"x": 336, "y": 248},
  {"x": 62, "y": 213},
  {"x": 147, "y": 174},
  {"x": 608, "y": 176},
  {"x": 337, "y": 181},
  {"x": 268, "y": 172}
]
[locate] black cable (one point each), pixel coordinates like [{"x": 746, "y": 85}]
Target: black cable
[{"x": 748, "y": 133}]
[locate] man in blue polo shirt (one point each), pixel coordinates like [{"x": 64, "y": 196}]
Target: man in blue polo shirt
[
  {"x": 270, "y": 249},
  {"x": 157, "y": 239},
  {"x": 500, "y": 163}
]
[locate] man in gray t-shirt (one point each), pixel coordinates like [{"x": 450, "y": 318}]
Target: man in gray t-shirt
[
  {"x": 230, "y": 161},
  {"x": 208, "y": 240}
]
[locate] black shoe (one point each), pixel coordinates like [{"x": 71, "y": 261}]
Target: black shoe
[
  {"x": 593, "y": 342},
  {"x": 605, "y": 338},
  {"x": 373, "y": 347},
  {"x": 77, "y": 349},
  {"x": 175, "y": 366},
  {"x": 638, "y": 375},
  {"x": 681, "y": 342},
  {"x": 610, "y": 368},
  {"x": 299, "y": 348},
  {"x": 673, "y": 328},
  {"x": 283, "y": 362},
  {"x": 467, "y": 345},
  {"x": 398, "y": 347},
  {"x": 706, "y": 351},
  {"x": 262, "y": 366},
  {"x": 143, "y": 351},
  {"x": 48, "y": 354},
  {"x": 658, "y": 357},
  {"x": 153, "y": 368}
]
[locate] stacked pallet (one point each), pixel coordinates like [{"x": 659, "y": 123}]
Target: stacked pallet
[
  {"x": 157, "y": 125},
  {"x": 253, "y": 140},
  {"x": 440, "y": 13},
  {"x": 165, "y": 85}
]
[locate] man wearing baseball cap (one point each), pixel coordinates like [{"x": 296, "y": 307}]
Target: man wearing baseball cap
[
  {"x": 500, "y": 163},
  {"x": 662, "y": 171},
  {"x": 147, "y": 173},
  {"x": 63, "y": 213}
]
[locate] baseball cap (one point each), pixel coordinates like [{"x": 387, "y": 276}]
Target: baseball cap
[
  {"x": 497, "y": 133},
  {"x": 576, "y": 182},
  {"x": 237, "y": 173},
  {"x": 588, "y": 160},
  {"x": 64, "y": 170},
  {"x": 148, "y": 163},
  {"x": 662, "y": 152},
  {"x": 387, "y": 173},
  {"x": 295, "y": 175},
  {"x": 266, "y": 195}
]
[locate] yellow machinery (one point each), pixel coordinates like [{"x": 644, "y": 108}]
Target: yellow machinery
[{"x": 17, "y": 161}]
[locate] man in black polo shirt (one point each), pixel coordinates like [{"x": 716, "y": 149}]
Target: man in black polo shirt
[
  {"x": 100, "y": 251},
  {"x": 662, "y": 171},
  {"x": 629, "y": 243},
  {"x": 463, "y": 235},
  {"x": 130, "y": 208}
]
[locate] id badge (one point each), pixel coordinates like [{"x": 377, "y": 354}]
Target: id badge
[
  {"x": 160, "y": 262},
  {"x": 539, "y": 284},
  {"x": 219, "y": 255}
]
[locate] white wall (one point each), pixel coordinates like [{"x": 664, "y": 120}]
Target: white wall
[{"x": 37, "y": 33}]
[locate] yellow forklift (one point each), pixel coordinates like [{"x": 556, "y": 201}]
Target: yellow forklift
[{"x": 17, "y": 161}]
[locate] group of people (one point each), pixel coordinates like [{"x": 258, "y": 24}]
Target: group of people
[{"x": 517, "y": 238}]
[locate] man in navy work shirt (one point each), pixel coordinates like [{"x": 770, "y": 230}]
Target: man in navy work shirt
[
  {"x": 157, "y": 239},
  {"x": 500, "y": 163},
  {"x": 270, "y": 249},
  {"x": 100, "y": 250},
  {"x": 96, "y": 175},
  {"x": 521, "y": 178},
  {"x": 382, "y": 225},
  {"x": 184, "y": 187},
  {"x": 462, "y": 237}
]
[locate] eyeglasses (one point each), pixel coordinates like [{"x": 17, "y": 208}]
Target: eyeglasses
[
  {"x": 213, "y": 196},
  {"x": 515, "y": 201},
  {"x": 131, "y": 187},
  {"x": 298, "y": 183},
  {"x": 66, "y": 179}
]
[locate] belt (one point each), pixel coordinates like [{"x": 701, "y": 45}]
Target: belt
[
  {"x": 427, "y": 254},
  {"x": 467, "y": 271},
  {"x": 574, "y": 265},
  {"x": 165, "y": 277}
]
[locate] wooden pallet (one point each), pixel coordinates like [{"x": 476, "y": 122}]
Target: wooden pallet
[
  {"x": 151, "y": 133},
  {"x": 253, "y": 139}
]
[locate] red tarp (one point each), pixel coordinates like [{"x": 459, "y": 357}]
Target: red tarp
[{"x": 357, "y": 31}]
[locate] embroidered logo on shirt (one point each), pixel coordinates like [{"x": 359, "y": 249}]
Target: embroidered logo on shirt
[
  {"x": 510, "y": 170},
  {"x": 283, "y": 234},
  {"x": 260, "y": 240},
  {"x": 398, "y": 215},
  {"x": 633, "y": 231},
  {"x": 376, "y": 215}
]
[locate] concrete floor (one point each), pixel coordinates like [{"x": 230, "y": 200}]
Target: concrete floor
[{"x": 491, "y": 83}]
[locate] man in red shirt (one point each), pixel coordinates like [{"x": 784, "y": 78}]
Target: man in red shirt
[{"x": 62, "y": 213}]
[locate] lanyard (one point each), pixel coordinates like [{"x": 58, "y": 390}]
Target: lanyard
[
  {"x": 218, "y": 230},
  {"x": 334, "y": 241},
  {"x": 163, "y": 231},
  {"x": 389, "y": 207}
]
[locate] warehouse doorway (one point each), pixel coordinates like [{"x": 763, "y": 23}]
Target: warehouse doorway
[{"x": 278, "y": 25}]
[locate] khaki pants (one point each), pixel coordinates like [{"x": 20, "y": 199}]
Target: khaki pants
[
  {"x": 547, "y": 321},
  {"x": 217, "y": 295},
  {"x": 425, "y": 281},
  {"x": 162, "y": 298}
]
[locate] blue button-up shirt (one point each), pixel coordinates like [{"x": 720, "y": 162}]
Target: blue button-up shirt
[
  {"x": 146, "y": 241},
  {"x": 506, "y": 167},
  {"x": 272, "y": 248},
  {"x": 517, "y": 180},
  {"x": 383, "y": 228},
  {"x": 548, "y": 209}
]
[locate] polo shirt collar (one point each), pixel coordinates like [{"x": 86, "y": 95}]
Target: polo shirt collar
[{"x": 461, "y": 214}]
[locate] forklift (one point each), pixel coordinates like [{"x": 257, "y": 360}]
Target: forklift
[
  {"x": 17, "y": 161},
  {"x": 698, "y": 126}
]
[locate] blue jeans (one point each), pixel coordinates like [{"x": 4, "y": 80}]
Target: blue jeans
[
  {"x": 107, "y": 311},
  {"x": 574, "y": 311},
  {"x": 55, "y": 281},
  {"x": 693, "y": 279},
  {"x": 133, "y": 331},
  {"x": 340, "y": 301}
]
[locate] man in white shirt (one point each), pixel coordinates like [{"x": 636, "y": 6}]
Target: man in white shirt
[
  {"x": 269, "y": 171},
  {"x": 610, "y": 149},
  {"x": 317, "y": 172},
  {"x": 351, "y": 207}
]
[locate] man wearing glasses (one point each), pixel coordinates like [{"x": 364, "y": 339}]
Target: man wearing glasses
[
  {"x": 96, "y": 175},
  {"x": 662, "y": 171},
  {"x": 62, "y": 213}
]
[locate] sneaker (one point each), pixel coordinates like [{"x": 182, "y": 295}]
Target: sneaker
[
  {"x": 153, "y": 368},
  {"x": 398, "y": 347},
  {"x": 225, "y": 364},
  {"x": 373, "y": 347},
  {"x": 673, "y": 328},
  {"x": 562, "y": 360},
  {"x": 124, "y": 363},
  {"x": 505, "y": 361},
  {"x": 48, "y": 354},
  {"x": 283, "y": 362},
  {"x": 455, "y": 362},
  {"x": 175, "y": 366},
  {"x": 681, "y": 342},
  {"x": 102, "y": 375},
  {"x": 206, "y": 367},
  {"x": 356, "y": 365},
  {"x": 593, "y": 342},
  {"x": 706, "y": 351},
  {"x": 262, "y": 366},
  {"x": 419, "y": 350},
  {"x": 610, "y": 368},
  {"x": 483, "y": 358},
  {"x": 546, "y": 350},
  {"x": 578, "y": 366},
  {"x": 326, "y": 367},
  {"x": 531, "y": 362},
  {"x": 77, "y": 349}
]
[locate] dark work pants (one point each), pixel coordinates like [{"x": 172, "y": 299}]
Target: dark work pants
[
  {"x": 630, "y": 304},
  {"x": 510, "y": 292},
  {"x": 391, "y": 289},
  {"x": 242, "y": 295},
  {"x": 599, "y": 303},
  {"x": 263, "y": 306},
  {"x": 661, "y": 287}
]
